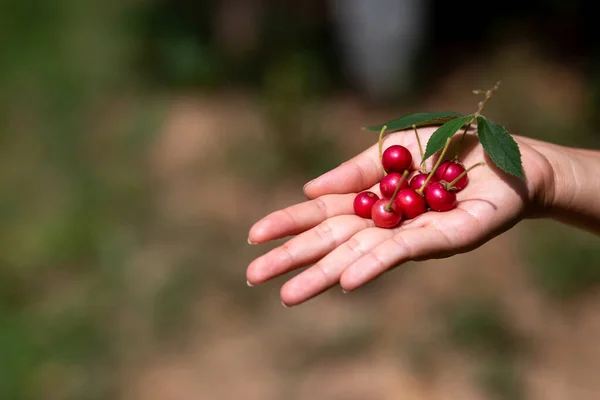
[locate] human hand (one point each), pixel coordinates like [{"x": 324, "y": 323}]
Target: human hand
[{"x": 351, "y": 251}]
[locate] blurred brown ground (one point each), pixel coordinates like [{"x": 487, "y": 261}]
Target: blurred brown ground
[
  {"x": 139, "y": 141},
  {"x": 386, "y": 341}
]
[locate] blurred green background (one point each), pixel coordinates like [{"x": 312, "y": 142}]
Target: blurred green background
[{"x": 139, "y": 140}]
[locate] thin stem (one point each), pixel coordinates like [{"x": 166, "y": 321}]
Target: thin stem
[
  {"x": 380, "y": 141},
  {"x": 435, "y": 167},
  {"x": 488, "y": 95},
  {"x": 458, "y": 178},
  {"x": 469, "y": 123},
  {"x": 388, "y": 207},
  {"x": 420, "y": 148}
]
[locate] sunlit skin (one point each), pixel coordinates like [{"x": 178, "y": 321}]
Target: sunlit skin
[{"x": 341, "y": 248}]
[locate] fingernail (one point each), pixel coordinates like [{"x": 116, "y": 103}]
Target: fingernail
[
  {"x": 284, "y": 305},
  {"x": 308, "y": 183},
  {"x": 250, "y": 241},
  {"x": 249, "y": 284},
  {"x": 344, "y": 291}
]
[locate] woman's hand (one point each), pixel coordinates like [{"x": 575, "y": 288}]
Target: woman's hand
[{"x": 351, "y": 251}]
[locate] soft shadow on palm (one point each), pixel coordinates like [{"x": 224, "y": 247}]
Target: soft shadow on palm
[{"x": 342, "y": 248}]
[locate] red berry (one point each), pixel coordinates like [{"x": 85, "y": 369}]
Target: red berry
[
  {"x": 439, "y": 198},
  {"x": 409, "y": 203},
  {"x": 419, "y": 179},
  {"x": 363, "y": 203},
  {"x": 382, "y": 217},
  {"x": 396, "y": 159},
  {"x": 388, "y": 184},
  {"x": 449, "y": 171}
]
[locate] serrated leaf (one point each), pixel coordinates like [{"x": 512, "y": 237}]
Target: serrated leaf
[
  {"x": 417, "y": 119},
  {"x": 439, "y": 137},
  {"x": 500, "y": 146}
]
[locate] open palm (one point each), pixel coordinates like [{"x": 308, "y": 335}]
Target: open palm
[{"x": 342, "y": 248}]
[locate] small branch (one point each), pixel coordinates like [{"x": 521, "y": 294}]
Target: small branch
[{"x": 488, "y": 95}]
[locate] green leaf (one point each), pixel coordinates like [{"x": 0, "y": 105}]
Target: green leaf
[
  {"x": 500, "y": 146},
  {"x": 417, "y": 119},
  {"x": 439, "y": 137}
]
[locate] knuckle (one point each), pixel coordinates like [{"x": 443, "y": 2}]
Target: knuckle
[
  {"x": 355, "y": 246},
  {"x": 380, "y": 264},
  {"x": 320, "y": 203},
  {"x": 360, "y": 172},
  {"x": 288, "y": 252},
  {"x": 448, "y": 246},
  {"x": 401, "y": 245},
  {"x": 289, "y": 215},
  {"x": 324, "y": 273},
  {"x": 469, "y": 215},
  {"x": 324, "y": 231}
]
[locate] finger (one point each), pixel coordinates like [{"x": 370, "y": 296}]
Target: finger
[
  {"x": 326, "y": 273},
  {"x": 406, "y": 245},
  {"x": 363, "y": 170},
  {"x": 305, "y": 248},
  {"x": 354, "y": 175},
  {"x": 300, "y": 217}
]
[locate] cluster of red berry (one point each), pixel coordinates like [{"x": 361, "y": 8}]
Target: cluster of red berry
[{"x": 406, "y": 198}]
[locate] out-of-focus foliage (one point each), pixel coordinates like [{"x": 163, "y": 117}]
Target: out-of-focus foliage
[
  {"x": 84, "y": 90},
  {"x": 72, "y": 188}
]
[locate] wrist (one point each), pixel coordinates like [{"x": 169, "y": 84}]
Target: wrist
[
  {"x": 561, "y": 190},
  {"x": 561, "y": 194},
  {"x": 547, "y": 178}
]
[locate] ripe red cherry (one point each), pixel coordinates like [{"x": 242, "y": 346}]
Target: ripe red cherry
[
  {"x": 396, "y": 158},
  {"x": 388, "y": 184},
  {"x": 449, "y": 171},
  {"x": 383, "y": 217},
  {"x": 363, "y": 203},
  {"x": 409, "y": 203},
  {"x": 419, "y": 179},
  {"x": 439, "y": 198}
]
